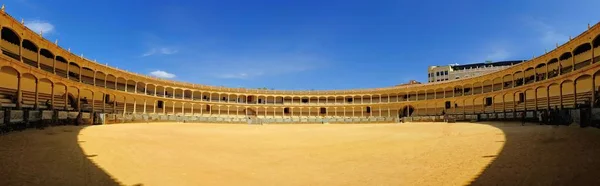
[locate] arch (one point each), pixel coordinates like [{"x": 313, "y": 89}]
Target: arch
[
  {"x": 74, "y": 71},
  {"x": 150, "y": 89},
  {"x": 518, "y": 78},
  {"x": 430, "y": 94},
  {"x": 553, "y": 68},
  {"x": 540, "y": 70},
  {"x": 507, "y": 81},
  {"x": 178, "y": 93},
  {"x": 497, "y": 82},
  {"x": 87, "y": 76},
  {"x": 121, "y": 84},
  {"x": 160, "y": 91},
  {"x": 61, "y": 66},
  {"x": 11, "y": 43},
  {"x": 111, "y": 82},
  {"x": 529, "y": 74},
  {"x": 554, "y": 95},
  {"x": 477, "y": 87},
  {"x": 584, "y": 88},
  {"x": 100, "y": 79},
  {"x": 141, "y": 87},
  {"x": 582, "y": 55},
  {"x": 568, "y": 96},
  {"x": 29, "y": 52},
  {"x": 487, "y": 85},
  {"x": 169, "y": 92},
  {"x": 542, "y": 94},
  {"x": 9, "y": 76},
  {"x": 406, "y": 111},
  {"x": 130, "y": 87},
  {"x": 565, "y": 62},
  {"x": 449, "y": 92},
  {"x": 458, "y": 90}
]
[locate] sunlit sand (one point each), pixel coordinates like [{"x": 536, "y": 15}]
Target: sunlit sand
[{"x": 221, "y": 154}]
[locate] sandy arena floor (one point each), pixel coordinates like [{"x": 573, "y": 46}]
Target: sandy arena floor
[{"x": 221, "y": 154}]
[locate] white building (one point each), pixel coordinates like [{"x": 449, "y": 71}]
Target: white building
[{"x": 450, "y": 72}]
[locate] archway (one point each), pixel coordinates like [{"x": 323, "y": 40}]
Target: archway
[{"x": 406, "y": 111}]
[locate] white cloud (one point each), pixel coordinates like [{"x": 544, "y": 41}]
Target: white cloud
[
  {"x": 160, "y": 51},
  {"x": 38, "y": 25},
  {"x": 162, "y": 74}
]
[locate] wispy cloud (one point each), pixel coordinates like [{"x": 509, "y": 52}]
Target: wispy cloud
[
  {"x": 162, "y": 74},
  {"x": 248, "y": 67},
  {"x": 549, "y": 36},
  {"x": 498, "y": 54},
  {"x": 39, "y": 25},
  {"x": 160, "y": 51}
]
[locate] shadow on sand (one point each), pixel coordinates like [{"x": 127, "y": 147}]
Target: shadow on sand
[
  {"x": 51, "y": 156},
  {"x": 544, "y": 155},
  {"x": 532, "y": 155}
]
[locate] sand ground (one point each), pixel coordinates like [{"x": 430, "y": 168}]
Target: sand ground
[{"x": 222, "y": 154}]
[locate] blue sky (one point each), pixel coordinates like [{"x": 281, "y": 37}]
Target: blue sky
[{"x": 305, "y": 44}]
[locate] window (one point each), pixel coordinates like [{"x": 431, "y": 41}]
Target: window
[
  {"x": 437, "y": 73},
  {"x": 446, "y": 72}
]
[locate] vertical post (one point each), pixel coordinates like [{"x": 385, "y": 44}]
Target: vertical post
[
  {"x": 124, "y": 104},
  {"x": 134, "y": 105},
  {"x": 52, "y": 97},
  {"x": 574, "y": 94},
  {"x": 37, "y": 90},
  {"x": 548, "y": 97},
  {"x": 78, "y": 101},
  {"x": 93, "y": 104},
  {"x": 66, "y": 97},
  {"x": 19, "y": 94},
  {"x": 144, "y": 106},
  {"x": 561, "y": 96},
  {"x": 593, "y": 91},
  {"x": 104, "y": 102}
]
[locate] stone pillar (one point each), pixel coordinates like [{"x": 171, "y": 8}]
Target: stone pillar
[
  {"x": 52, "y": 97},
  {"x": 19, "y": 91},
  {"x": 37, "y": 90}
]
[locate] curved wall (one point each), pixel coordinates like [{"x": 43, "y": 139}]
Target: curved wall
[{"x": 38, "y": 72}]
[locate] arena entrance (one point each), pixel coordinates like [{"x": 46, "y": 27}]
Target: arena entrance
[{"x": 406, "y": 111}]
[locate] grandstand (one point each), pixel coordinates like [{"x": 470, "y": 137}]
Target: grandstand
[{"x": 42, "y": 81}]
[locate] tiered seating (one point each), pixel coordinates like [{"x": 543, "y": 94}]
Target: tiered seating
[
  {"x": 6, "y": 97},
  {"x": 87, "y": 80},
  {"x": 530, "y": 104},
  {"x": 568, "y": 101},
  {"x": 555, "y": 101},
  {"x": 120, "y": 107},
  {"x": 61, "y": 73},
  {"x": 139, "y": 108}
]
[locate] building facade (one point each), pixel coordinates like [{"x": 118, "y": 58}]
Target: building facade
[
  {"x": 451, "y": 72},
  {"x": 41, "y": 80}
]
